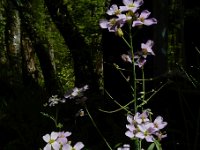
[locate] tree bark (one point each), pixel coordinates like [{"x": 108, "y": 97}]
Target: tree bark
[
  {"x": 12, "y": 44},
  {"x": 40, "y": 44},
  {"x": 83, "y": 65}
]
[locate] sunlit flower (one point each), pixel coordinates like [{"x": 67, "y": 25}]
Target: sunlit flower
[
  {"x": 140, "y": 56},
  {"x": 130, "y": 5},
  {"x": 51, "y": 141},
  {"x": 114, "y": 10},
  {"x": 54, "y": 100},
  {"x": 130, "y": 119},
  {"x": 147, "y": 48},
  {"x": 142, "y": 19},
  {"x": 131, "y": 127},
  {"x": 114, "y": 23},
  {"x": 76, "y": 92},
  {"x": 146, "y": 131},
  {"x": 77, "y": 146},
  {"x": 62, "y": 137},
  {"x": 159, "y": 123},
  {"x": 141, "y": 118}
]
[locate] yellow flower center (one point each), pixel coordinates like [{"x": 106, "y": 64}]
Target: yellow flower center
[
  {"x": 51, "y": 141},
  {"x": 131, "y": 5},
  {"x": 117, "y": 12},
  {"x": 112, "y": 21}
]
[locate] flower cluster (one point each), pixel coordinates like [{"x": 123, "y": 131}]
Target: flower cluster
[
  {"x": 54, "y": 100},
  {"x": 120, "y": 15},
  {"x": 127, "y": 13},
  {"x": 140, "y": 126},
  {"x": 77, "y": 93},
  {"x": 59, "y": 141}
]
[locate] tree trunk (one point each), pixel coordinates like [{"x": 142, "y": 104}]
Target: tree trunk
[
  {"x": 83, "y": 65},
  {"x": 40, "y": 44},
  {"x": 29, "y": 70},
  {"x": 12, "y": 41}
]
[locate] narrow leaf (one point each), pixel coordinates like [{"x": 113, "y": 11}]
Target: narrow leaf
[{"x": 151, "y": 147}]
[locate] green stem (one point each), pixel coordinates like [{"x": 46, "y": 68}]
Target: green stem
[
  {"x": 154, "y": 93},
  {"x": 93, "y": 122},
  {"x": 140, "y": 144},
  {"x": 136, "y": 144},
  {"x": 134, "y": 71},
  {"x": 126, "y": 42},
  {"x": 143, "y": 85}
]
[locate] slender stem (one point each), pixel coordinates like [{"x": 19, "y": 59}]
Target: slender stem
[
  {"x": 134, "y": 71},
  {"x": 140, "y": 144},
  {"x": 126, "y": 42},
  {"x": 121, "y": 107},
  {"x": 143, "y": 85},
  {"x": 154, "y": 93},
  {"x": 93, "y": 122}
]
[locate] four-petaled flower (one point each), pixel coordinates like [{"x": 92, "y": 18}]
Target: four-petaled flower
[
  {"x": 76, "y": 92},
  {"x": 114, "y": 23},
  {"x": 146, "y": 49},
  {"x": 141, "y": 118},
  {"x": 159, "y": 123},
  {"x": 142, "y": 19},
  {"x": 114, "y": 10},
  {"x": 62, "y": 137},
  {"x": 51, "y": 141},
  {"x": 77, "y": 146},
  {"x": 146, "y": 131},
  {"x": 130, "y": 5}
]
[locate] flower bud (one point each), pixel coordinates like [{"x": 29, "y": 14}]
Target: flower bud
[{"x": 119, "y": 32}]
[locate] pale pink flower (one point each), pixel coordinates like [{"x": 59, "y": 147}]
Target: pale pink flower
[
  {"x": 142, "y": 19},
  {"x": 145, "y": 131},
  {"x": 130, "y": 5},
  {"x": 51, "y": 141},
  {"x": 77, "y": 146},
  {"x": 159, "y": 123},
  {"x": 114, "y": 10},
  {"x": 62, "y": 137}
]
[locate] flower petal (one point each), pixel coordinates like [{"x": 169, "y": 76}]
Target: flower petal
[
  {"x": 56, "y": 145},
  {"x": 145, "y": 14},
  {"x": 78, "y": 146},
  {"x": 150, "y": 21},
  {"x": 129, "y": 134},
  {"x": 54, "y": 135},
  {"x": 46, "y": 138},
  {"x": 103, "y": 23},
  {"x": 47, "y": 147},
  {"x": 137, "y": 23}
]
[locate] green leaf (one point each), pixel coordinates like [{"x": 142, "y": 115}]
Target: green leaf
[
  {"x": 48, "y": 116},
  {"x": 158, "y": 145},
  {"x": 151, "y": 147}
]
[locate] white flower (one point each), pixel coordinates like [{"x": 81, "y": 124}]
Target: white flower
[
  {"x": 77, "y": 146},
  {"x": 51, "y": 141}
]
